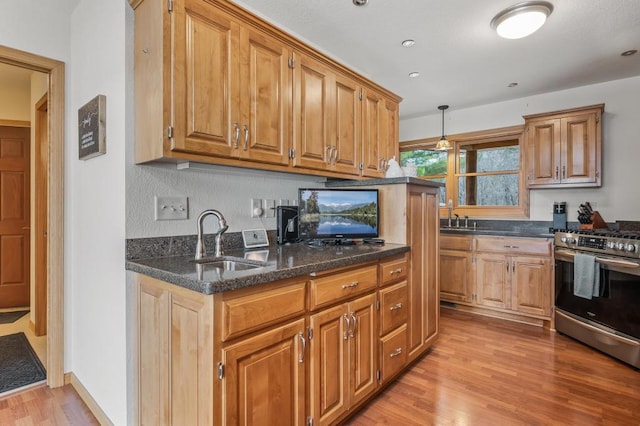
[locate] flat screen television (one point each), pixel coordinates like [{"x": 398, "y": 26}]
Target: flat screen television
[{"x": 337, "y": 213}]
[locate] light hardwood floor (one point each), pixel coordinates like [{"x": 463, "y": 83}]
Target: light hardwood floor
[
  {"x": 482, "y": 371},
  {"x": 487, "y": 371}
]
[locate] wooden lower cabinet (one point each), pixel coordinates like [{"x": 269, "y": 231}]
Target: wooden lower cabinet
[
  {"x": 343, "y": 358},
  {"x": 264, "y": 378},
  {"x": 281, "y": 353},
  {"x": 506, "y": 275}
]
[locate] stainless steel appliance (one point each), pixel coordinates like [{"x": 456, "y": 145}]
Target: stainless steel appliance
[{"x": 611, "y": 321}]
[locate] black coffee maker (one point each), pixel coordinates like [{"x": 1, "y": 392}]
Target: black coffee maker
[{"x": 560, "y": 215}]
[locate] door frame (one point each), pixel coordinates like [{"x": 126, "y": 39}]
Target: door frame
[
  {"x": 40, "y": 208},
  {"x": 55, "y": 200}
]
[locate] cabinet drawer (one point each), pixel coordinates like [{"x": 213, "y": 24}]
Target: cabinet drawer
[
  {"x": 514, "y": 245},
  {"x": 393, "y": 307},
  {"x": 393, "y": 353},
  {"x": 455, "y": 242},
  {"x": 333, "y": 288},
  {"x": 261, "y": 309},
  {"x": 395, "y": 269}
]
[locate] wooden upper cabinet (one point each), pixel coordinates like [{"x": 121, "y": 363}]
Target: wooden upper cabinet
[
  {"x": 216, "y": 84},
  {"x": 205, "y": 80},
  {"x": 265, "y": 98},
  {"x": 347, "y": 137},
  {"x": 312, "y": 107},
  {"x": 373, "y": 155},
  {"x": 564, "y": 148}
]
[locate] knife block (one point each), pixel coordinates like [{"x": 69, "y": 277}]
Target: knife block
[{"x": 597, "y": 222}]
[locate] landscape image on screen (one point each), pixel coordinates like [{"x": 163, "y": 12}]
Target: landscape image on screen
[{"x": 344, "y": 214}]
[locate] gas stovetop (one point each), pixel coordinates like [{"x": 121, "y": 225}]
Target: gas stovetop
[{"x": 604, "y": 241}]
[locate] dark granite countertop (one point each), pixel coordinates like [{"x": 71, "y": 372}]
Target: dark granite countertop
[
  {"x": 282, "y": 262},
  {"x": 497, "y": 232}
]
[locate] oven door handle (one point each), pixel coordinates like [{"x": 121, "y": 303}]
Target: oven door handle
[{"x": 605, "y": 261}]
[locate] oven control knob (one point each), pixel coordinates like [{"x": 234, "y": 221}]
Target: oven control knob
[
  {"x": 611, "y": 245},
  {"x": 568, "y": 240},
  {"x": 630, "y": 248},
  {"x": 620, "y": 246}
]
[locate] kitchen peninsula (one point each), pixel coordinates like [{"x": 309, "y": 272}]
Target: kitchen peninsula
[{"x": 312, "y": 333}]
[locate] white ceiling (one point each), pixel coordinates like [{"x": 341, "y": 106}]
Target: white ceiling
[{"x": 461, "y": 60}]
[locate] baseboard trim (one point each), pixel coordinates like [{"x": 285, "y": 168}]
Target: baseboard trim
[{"x": 70, "y": 378}]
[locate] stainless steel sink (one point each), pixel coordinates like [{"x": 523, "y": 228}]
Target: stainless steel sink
[{"x": 229, "y": 263}]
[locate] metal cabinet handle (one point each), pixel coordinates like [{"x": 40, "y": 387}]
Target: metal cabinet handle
[
  {"x": 396, "y": 271},
  {"x": 564, "y": 172},
  {"x": 246, "y": 137},
  {"x": 352, "y": 333},
  {"x": 348, "y": 322},
  {"x": 395, "y": 353},
  {"x": 327, "y": 154},
  {"x": 507, "y": 266},
  {"x": 396, "y": 307},
  {"x": 237, "y": 134},
  {"x": 334, "y": 154},
  {"x": 513, "y": 247},
  {"x": 557, "y": 173},
  {"x": 352, "y": 285},
  {"x": 303, "y": 342}
]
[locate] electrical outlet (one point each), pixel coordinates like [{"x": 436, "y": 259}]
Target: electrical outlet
[
  {"x": 269, "y": 207},
  {"x": 171, "y": 208},
  {"x": 256, "y": 207}
]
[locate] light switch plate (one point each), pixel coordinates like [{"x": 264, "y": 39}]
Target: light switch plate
[
  {"x": 255, "y": 238},
  {"x": 171, "y": 208}
]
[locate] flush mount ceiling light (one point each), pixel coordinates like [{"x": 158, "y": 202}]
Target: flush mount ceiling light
[
  {"x": 443, "y": 144},
  {"x": 514, "y": 84},
  {"x": 414, "y": 74},
  {"x": 360, "y": 2},
  {"x": 522, "y": 19},
  {"x": 408, "y": 43},
  {"x": 629, "y": 52}
]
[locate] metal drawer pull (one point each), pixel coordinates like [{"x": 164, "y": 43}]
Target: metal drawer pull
[
  {"x": 237, "y": 132},
  {"x": 355, "y": 324},
  {"x": 396, "y": 271},
  {"x": 246, "y": 137},
  {"x": 348, "y": 321},
  {"x": 304, "y": 347},
  {"x": 352, "y": 285},
  {"x": 511, "y": 246},
  {"x": 395, "y": 353},
  {"x": 397, "y": 306}
]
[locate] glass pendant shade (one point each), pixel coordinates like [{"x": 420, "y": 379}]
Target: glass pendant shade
[{"x": 443, "y": 144}]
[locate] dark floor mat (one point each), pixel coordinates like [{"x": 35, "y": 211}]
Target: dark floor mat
[
  {"x": 9, "y": 317},
  {"x": 19, "y": 364}
]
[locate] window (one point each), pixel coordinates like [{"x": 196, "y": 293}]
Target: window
[{"x": 483, "y": 173}]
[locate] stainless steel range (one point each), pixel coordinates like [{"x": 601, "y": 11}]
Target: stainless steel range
[{"x": 610, "y": 320}]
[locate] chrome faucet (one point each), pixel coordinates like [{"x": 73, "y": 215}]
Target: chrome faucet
[
  {"x": 457, "y": 220},
  {"x": 222, "y": 226},
  {"x": 450, "y": 208},
  {"x": 466, "y": 221}
]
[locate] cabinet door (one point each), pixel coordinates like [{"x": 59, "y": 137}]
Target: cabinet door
[
  {"x": 544, "y": 153},
  {"x": 373, "y": 156},
  {"x": 265, "y": 98},
  {"x": 347, "y": 141},
  {"x": 416, "y": 297},
  {"x": 531, "y": 285},
  {"x": 264, "y": 381},
  {"x": 389, "y": 135},
  {"x": 579, "y": 151},
  {"x": 329, "y": 365},
  {"x": 362, "y": 348},
  {"x": 492, "y": 288},
  {"x": 205, "y": 98},
  {"x": 455, "y": 275},
  {"x": 312, "y": 110}
]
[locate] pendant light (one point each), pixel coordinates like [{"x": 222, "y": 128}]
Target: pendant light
[
  {"x": 443, "y": 144},
  {"x": 522, "y": 19}
]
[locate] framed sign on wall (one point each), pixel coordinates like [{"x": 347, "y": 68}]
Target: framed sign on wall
[{"x": 91, "y": 128}]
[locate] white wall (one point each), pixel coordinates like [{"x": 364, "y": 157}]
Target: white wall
[
  {"x": 89, "y": 39},
  {"x": 619, "y": 196},
  {"x": 95, "y": 203}
]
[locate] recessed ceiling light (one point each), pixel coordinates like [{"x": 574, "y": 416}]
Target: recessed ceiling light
[
  {"x": 414, "y": 74},
  {"x": 408, "y": 43},
  {"x": 522, "y": 19},
  {"x": 514, "y": 84},
  {"x": 629, "y": 52},
  {"x": 360, "y": 2}
]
